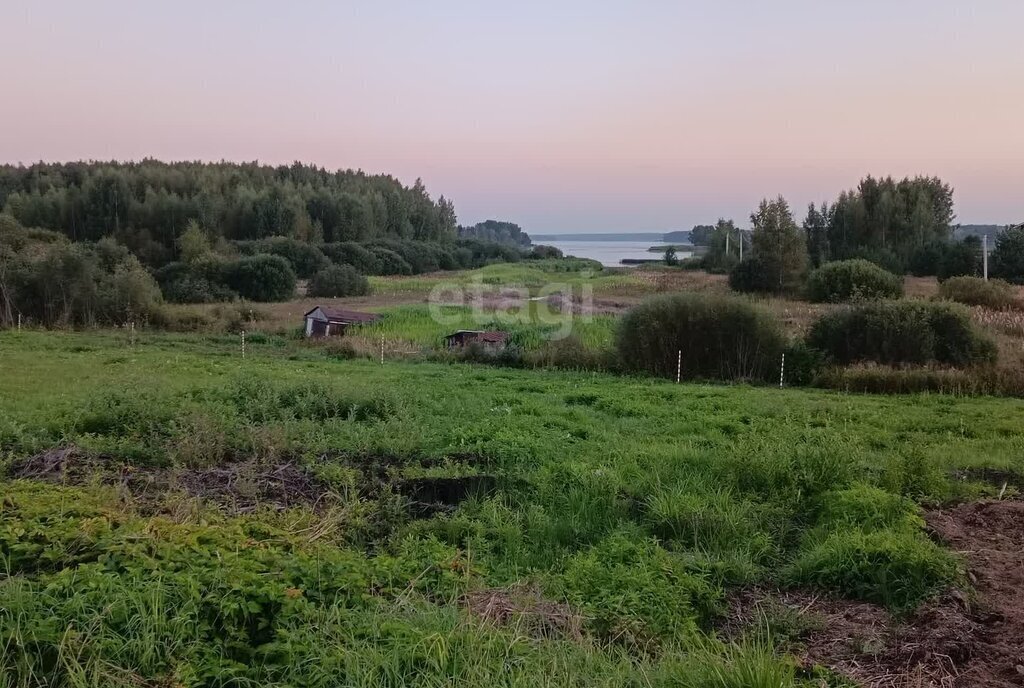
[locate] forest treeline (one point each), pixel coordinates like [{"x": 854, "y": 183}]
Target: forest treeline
[
  {"x": 102, "y": 243},
  {"x": 902, "y": 226},
  {"x": 147, "y": 205}
]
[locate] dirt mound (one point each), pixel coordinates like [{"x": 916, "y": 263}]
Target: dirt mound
[
  {"x": 525, "y": 609},
  {"x": 950, "y": 642}
]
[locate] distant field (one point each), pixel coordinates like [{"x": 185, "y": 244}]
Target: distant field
[{"x": 289, "y": 519}]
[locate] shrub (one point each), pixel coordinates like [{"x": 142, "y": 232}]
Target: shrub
[
  {"x": 390, "y": 263},
  {"x": 720, "y": 337},
  {"x": 542, "y": 252},
  {"x": 338, "y": 280},
  {"x": 850, "y": 280},
  {"x": 975, "y": 291},
  {"x": 960, "y": 258},
  {"x": 882, "y": 257},
  {"x": 751, "y": 275},
  {"x": 1008, "y": 255},
  {"x": 945, "y": 259},
  {"x": 351, "y": 253},
  {"x": 262, "y": 278},
  {"x": 59, "y": 283},
  {"x": 304, "y": 258},
  {"x": 901, "y": 332},
  {"x": 896, "y": 568}
]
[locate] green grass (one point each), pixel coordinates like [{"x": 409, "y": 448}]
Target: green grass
[
  {"x": 531, "y": 275},
  {"x": 529, "y": 328},
  {"x": 636, "y": 502}
]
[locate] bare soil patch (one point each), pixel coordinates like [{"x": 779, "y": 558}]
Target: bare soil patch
[
  {"x": 953, "y": 641},
  {"x": 247, "y": 485},
  {"x": 241, "y": 487}
]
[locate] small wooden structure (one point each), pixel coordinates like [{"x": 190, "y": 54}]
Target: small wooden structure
[
  {"x": 489, "y": 339},
  {"x": 326, "y": 321}
]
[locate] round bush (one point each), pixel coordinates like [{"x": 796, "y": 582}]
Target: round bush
[
  {"x": 351, "y": 253},
  {"x": 720, "y": 337},
  {"x": 975, "y": 291},
  {"x": 752, "y": 276},
  {"x": 852, "y": 280},
  {"x": 338, "y": 280},
  {"x": 262, "y": 278},
  {"x": 390, "y": 263},
  {"x": 901, "y": 332}
]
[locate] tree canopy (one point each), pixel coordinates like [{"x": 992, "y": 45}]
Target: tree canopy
[{"x": 148, "y": 205}]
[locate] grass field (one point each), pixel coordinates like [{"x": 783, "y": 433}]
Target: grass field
[{"x": 290, "y": 520}]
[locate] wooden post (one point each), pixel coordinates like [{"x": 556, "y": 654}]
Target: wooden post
[
  {"x": 984, "y": 255},
  {"x": 243, "y": 343},
  {"x": 782, "y": 370},
  {"x": 679, "y": 366}
]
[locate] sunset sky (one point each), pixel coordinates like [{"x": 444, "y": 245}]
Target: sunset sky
[{"x": 561, "y": 116}]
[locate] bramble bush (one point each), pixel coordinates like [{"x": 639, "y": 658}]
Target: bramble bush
[
  {"x": 901, "y": 332},
  {"x": 975, "y": 291},
  {"x": 720, "y": 337},
  {"x": 852, "y": 280}
]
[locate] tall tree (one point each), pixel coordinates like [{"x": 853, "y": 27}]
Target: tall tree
[
  {"x": 816, "y": 233},
  {"x": 779, "y": 245}
]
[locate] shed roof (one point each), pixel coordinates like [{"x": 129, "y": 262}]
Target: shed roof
[{"x": 344, "y": 315}]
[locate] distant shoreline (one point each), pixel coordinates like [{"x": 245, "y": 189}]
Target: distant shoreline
[{"x": 654, "y": 237}]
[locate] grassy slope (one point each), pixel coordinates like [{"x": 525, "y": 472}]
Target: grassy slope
[{"x": 636, "y": 501}]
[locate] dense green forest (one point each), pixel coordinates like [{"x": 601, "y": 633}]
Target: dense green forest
[
  {"x": 497, "y": 231},
  {"x": 147, "y": 205}
]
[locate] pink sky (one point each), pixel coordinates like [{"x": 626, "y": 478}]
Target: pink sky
[{"x": 570, "y": 116}]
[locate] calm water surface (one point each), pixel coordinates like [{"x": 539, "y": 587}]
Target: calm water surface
[{"x": 610, "y": 253}]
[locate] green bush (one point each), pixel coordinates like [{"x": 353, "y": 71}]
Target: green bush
[
  {"x": 947, "y": 259},
  {"x": 975, "y": 291},
  {"x": 304, "y": 258},
  {"x": 262, "y": 278},
  {"x": 390, "y": 263},
  {"x": 851, "y": 280},
  {"x": 882, "y": 257},
  {"x": 634, "y": 591},
  {"x": 351, "y": 253},
  {"x": 719, "y": 337},
  {"x": 896, "y": 568},
  {"x": 338, "y": 280},
  {"x": 752, "y": 276},
  {"x": 1008, "y": 255},
  {"x": 901, "y": 332}
]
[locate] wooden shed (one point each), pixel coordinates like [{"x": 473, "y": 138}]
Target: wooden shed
[
  {"x": 326, "y": 321},
  {"x": 491, "y": 339}
]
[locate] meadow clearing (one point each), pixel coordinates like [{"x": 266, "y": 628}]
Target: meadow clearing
[{"x": 176, "y": 515}]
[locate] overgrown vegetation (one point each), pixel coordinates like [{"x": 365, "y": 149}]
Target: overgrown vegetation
[
  {"x": 975, "y": 291},
  {"x": 902, "y": 332},
  {"x": 630, "y": 505},
  {"x": 852, "y": 280},
  {"x": 338, "y": 280},
  {"x": 700, "y": 336}
]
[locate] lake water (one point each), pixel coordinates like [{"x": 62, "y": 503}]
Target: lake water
[{"x": 610, "y": 253}]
